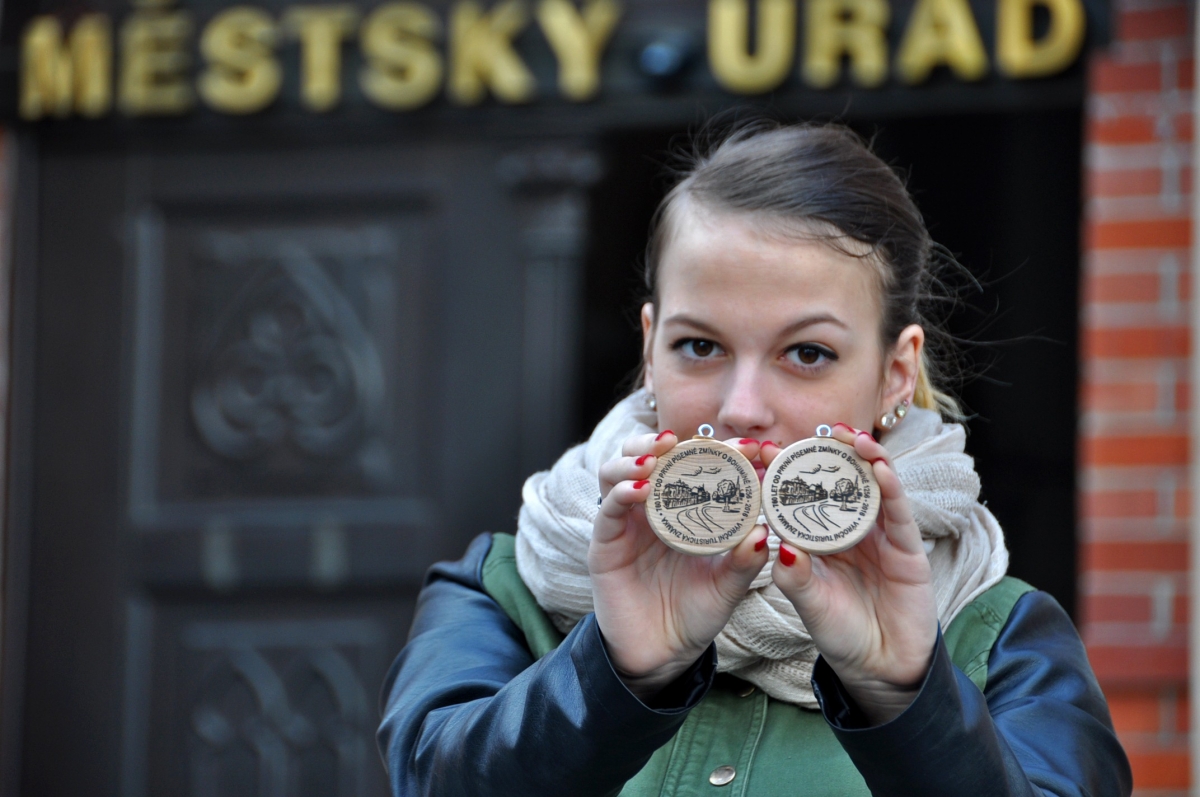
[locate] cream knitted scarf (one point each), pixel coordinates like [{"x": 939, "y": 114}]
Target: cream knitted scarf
[{"x": 765, "y": 641}]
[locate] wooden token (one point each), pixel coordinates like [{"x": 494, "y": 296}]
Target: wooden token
[
  {"x": 820, "y": 495},
  {"x": 704, "y": 496}
]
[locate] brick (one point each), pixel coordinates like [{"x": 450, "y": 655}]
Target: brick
[
  {"x": 1158, "y": 557},
  {"x": 1158, "y": 23},
  {"x": 1183, "y": 126},
  {"x": 1135, "y": 710},
  {"x": 1119, "y": 503},
  {"x": 1162, "y": 449},
  {"x": 1124, "y": 182},
  {"x": 1155, "y": 342},
  {"x": 1130, "y": 503},
  {"x": 1130, "y": 234},
  {"x": 1110, "y": 76},
  {"x": 1135, "y": 397},
  {"x": 1127, "y": 547},
  {"x": 1116, "y": 609},
  {"x": 1122, "y": 130},
  {"x": 1119, "y": 666},
  {"x": 1122, "y": 288},
  {"x": 1125, "y": 608},
  {"x": 1160, "y": 770}
]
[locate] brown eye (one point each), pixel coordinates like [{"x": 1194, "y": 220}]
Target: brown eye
[
  {"x": 697, "y": 348},
  {"x": 809, "y": 354}
]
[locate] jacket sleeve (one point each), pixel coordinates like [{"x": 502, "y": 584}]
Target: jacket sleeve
[
  {"x": 467, "y": 710},
  {"x": 1041, "y": 727}
]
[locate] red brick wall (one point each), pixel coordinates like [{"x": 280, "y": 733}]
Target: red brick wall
[{"x": 1134, "y": 501}]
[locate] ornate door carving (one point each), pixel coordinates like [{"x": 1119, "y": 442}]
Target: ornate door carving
[{"x": 257, "y": 380}]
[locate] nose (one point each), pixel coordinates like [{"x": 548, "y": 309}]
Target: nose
[{"x": 745, "y": 411}]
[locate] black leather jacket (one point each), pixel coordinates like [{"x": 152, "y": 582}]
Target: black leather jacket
[{"x": 467, "y": 711}]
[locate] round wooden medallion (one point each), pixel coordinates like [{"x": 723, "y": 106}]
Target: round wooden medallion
[
  {"x": 704, "y": 496},
  {"x": 820, "y": 495}
]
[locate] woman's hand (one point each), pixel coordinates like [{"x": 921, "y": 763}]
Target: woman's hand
[
  {"x": 870, "y": 609},
  {"x": 659, "y": 609}
]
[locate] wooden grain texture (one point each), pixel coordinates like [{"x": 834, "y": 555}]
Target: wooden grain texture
[
  {"x": 704, "y": 497},
  {"x": 820, "y": 496}
]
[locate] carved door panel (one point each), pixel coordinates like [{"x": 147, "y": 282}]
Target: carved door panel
[{"x": 269, "y": 389}]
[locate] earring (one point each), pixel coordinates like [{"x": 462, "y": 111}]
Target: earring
[
  {"x": 890, "y": 419},
  {"x": 652, "y": 402}
]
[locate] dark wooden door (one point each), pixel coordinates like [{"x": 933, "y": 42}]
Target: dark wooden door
[{"x": 260, "y": 391}]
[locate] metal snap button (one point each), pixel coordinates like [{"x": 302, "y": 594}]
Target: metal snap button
[
  {"x": 746, "y": 690},
  {"x": 722, "y": 776}
]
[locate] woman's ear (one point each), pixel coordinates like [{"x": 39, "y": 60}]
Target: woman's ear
[
  {"x": 648, "y": 345},
  {"x": 901, "y": 368}
]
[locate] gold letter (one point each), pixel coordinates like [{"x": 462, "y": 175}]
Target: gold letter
[
  {"x": 728, "y": 35},
  {"x": 57, "y": 79},
  {"x": 403, "y": 69},
  {"x": 578, "y": 41},
  {"x": 154, "y": 60},
  {"x": 1018, "y": 55},
  {"x": 941, "y": 32},
  {"x": 482, "y": 56},
  {"x": 321, "y": 30},
  {"x": 243, "y": 75},
  {"x": 856, "y": 28}
]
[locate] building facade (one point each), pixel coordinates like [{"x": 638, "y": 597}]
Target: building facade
[
  {"x": 274, "y": 269},
  {"x": 1134, "y": 438}
]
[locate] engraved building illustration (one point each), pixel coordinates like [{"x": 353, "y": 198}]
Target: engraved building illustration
[
  {"x": 679, "y": 493},
  {"x": 798, "y": 491}
]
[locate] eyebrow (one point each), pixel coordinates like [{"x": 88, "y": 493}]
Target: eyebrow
[{"x": 794, "y": 327}]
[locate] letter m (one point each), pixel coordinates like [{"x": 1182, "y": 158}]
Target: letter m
[{"x": 59, "y": 77}]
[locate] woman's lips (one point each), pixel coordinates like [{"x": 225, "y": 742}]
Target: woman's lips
[{"x": 760, "y": 469}]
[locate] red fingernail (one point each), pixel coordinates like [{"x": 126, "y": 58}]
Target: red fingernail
[
  {"x": 843, "y": 425},
  {"x": 879, "y": 459},
  {"x": 769, "y": 443},
  {"x": 640, "y": 461},
  {"x": 661, "y": 435},
  {"x": 758, "y": 546},
  {"x": 640, "y": 483},
  {"x": 868, "y": 434},
  {"x": 745, "y": 441},
  {"x": 787, "y": 557}
]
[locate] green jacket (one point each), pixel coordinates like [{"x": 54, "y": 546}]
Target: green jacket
[{"x": 736, "y": 724}]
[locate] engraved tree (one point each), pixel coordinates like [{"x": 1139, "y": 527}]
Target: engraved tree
[
  {"x": 845, "y": 491},
  {"x": 727, "y": 492}
]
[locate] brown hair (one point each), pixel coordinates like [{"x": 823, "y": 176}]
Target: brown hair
[{"x": 824, "y": 180}]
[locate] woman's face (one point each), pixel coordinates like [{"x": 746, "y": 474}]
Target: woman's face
[{"x": 767, "y": 336}]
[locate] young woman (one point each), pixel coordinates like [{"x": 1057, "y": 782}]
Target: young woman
[{"x": 787, "y": 274}]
